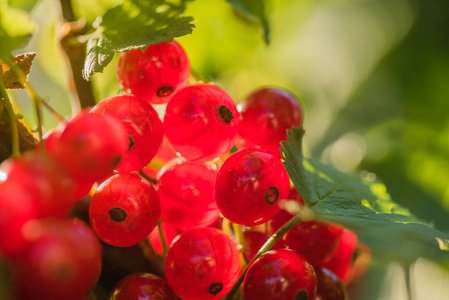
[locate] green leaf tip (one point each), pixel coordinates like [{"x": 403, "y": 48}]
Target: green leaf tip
[
  {"x": 255, "y": 12},
  {"x": 135, "y": 24},
  {"x": 362, "y": 205}
]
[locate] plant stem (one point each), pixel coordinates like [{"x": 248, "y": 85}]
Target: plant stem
[
  {"x": 67, "y": 10},
  {"x": 13, "y": 122},
  {"x": 148, "y": 178},
  {"x": 32, "y": 94},
  {"x": 75, "y": 51},
  {"x": 238, "y": 235},
  {"x": 267, "y": 246},
  {"x": 163, "y": 239}
]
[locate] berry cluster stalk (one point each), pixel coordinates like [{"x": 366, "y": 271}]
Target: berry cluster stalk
[{"x": 267, "y": 246}]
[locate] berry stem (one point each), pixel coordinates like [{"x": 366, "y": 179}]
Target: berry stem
[
  {"x": 163, "y": 239},
  {"x": 32, "y": 94},
  {"x": 13, "y": 121},
  {"x": 148, "y": 178},
  {"x": 241, "y": 242},
  {"x": 267, "y": 246}
]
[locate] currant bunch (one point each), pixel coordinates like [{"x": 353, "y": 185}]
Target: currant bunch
[{"x": 171, "y": 188}]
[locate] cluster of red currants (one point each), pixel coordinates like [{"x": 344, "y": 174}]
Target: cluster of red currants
[{"x": 107, "y": 151}]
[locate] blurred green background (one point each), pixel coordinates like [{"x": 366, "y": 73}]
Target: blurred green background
[{"x": 372, "y": 76}]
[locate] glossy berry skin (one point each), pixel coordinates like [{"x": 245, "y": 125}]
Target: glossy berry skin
[
  {"x": 63, "y": 260},
  {"x": 142, "y": 286},
  {"x": 341, "y": 260},
  {"x": 202, "y": 264},
  {"x": 154, "y": 238},
  {"x": 49, "y": 185},
  {"x": 124, "y": 210},
  {"x": 51, "y": 144},
  {"x": 92, "y": 146},
  {"x": 201, "y": 122},
  {"x": 155, "y": 74},
  {"x": 186, "y": 191},
  {"x": 265, "y": 115},
  {"x": 249, "y": 185},
  {"x": 313, "y": 239},
  {"x": 143, "y": 125},
  {"x": 17, "y": 208},
  {"x": 280, "y": 274},
  {"x": 329, "y": 286}
]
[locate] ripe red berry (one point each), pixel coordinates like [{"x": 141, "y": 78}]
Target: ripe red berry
[
  {"x": 63, "y": 260},
  {"x": 341, "y": 260},
  {"x": 142, "y": 286},
  {"x": 155, "y": 74},
  {"x": 92, "y": 145},
  {"x": 186, "y": 190},
  {"x": 201, "y": 122},
  {"x": 249, "y": 185},
  {"x": 124, "y": 210},
  {"x": 329, "y": 286},
  {"x": 315, "y": 240},
  {"x": 142, "y": 123},
  {"x": 280, "y": 274},
  {"x": 265, "y": 115},
  {"x": 202, "y": 264},
  {"x": 17, "y": 208},
  {"x": 47, "y": 183},
  {"x": 51, "y": 142}
]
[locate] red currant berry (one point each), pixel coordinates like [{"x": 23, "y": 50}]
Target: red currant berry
[
  {"x": 280, "y": 274},
  {"x": 166, "y": 152},
  {"x": 91, "y": 146},
  {"x": 329, "y": 286},
  {"x": 124, "y": 210},
  {"x": 249, "y": 185},
  {"x": 141, "y": 286},
  {"x": 17, "y": 208},
  {"x": 49, "y": 185},
  {"x": 155, "y": 74},
  {"x": 265, "y": 115},
  {"x": 51, "y": 141},
  {"x": 142, "y": 123},
  {"x": 341, "y": 260},
  {"x": 63, "y": 260},
  {"x": 202, "y": 264},
  {"x": 186, "y": 190},
  {"x": 315, "y": 240},
  {"x": 201, "y": 122}
]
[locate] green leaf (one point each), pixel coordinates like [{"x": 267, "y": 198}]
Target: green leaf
[
  {"x": 16, "y": 28},
  {"x": 254, "y": 11},
  {"x": 135, "y": 24},
  {"x": 362, "y": 205}
]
